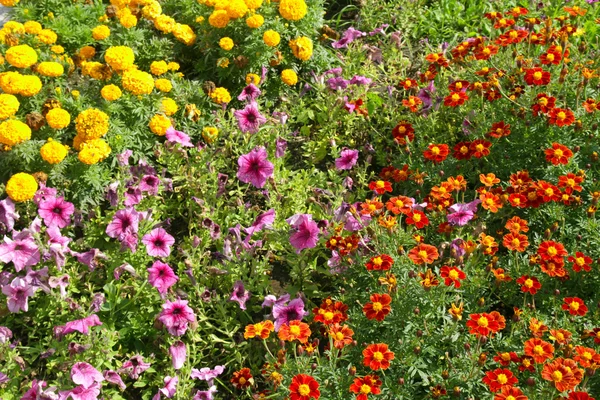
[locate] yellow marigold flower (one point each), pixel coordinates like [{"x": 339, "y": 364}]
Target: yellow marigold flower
[
  {"x": 9, "y": 105},
  {"x": 21, "y": 187},
  {"x": 57, "y": 49},
  {"x": 13, "y": 132},
  {"x": 75, "y": 94},
  {"x": 302, "y": 48},
  {"x": 9, "y": 3},
  {"x": 200, "y": 19},
  {"x": 111, "y": 92},
  {"x": 210, "y": 134},
  {"x": 164, "y": 23},
  {"x": 31, "y": 85},
  {"x": 77, "y": 142},
  {"x": 253, "y": 4},
  {"x": 53, "y": 152},
  {"x": 101, "y": 32},
  {"x": 223, "y": 62},
  {"x": 50, "y": 69},
  {"x": 169, "y": 106},
  {"x": 14, "y": 27},
  {"x": 47, "y": 36},
  {"x": 159, "y": 67},
  {"x": 218, "y": 19},
  {"x": 226, "y": 43},
  {"x": 32, "y": 27},
  {"x": 87, "y": 52},
  {"x": 94, "y": 151},
  {"x": 103, "y": 18},
  {"x": 128, "y": 21},
  {"x": 220, "y": 95},
  {"x": 91, "y": 124},
  {"x": 173, "y": 66},
  {"x": 252, "y": 78},
  {"x": 58, "y": 118},
  {"x": 152, "y": 10},
  {"x": 11, "y": 82},
  {"x": 95, "y": 69},
  {"x": 236, "y": 9},
  {"x": 159, "y": 124},
  {"x": 255, "y": 21},
  {"x": 21, "y": 56},
  {"x": 164, "y": 85},
  {"x": 292, "y": 10},
  {"x": 137, "y": 82},
  {"x": 271, "y": 38},
  {"x": 120, "y": 58},
  {"x": 185, "y": 34},
  {"x": 289, "y": 77}
]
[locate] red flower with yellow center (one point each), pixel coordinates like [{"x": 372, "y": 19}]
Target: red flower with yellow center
[
  {"x": 488, "y": 180},
  {"x": 551, "y": 57},
  {"x": 399, "y": 205},
  {"x": 552, "y": 251},
  {"x": 517, "y": 200},
  {"x": 558, "y": 154},
  {"x": 412, "y": 103},
  {"x": 330, "y": 312},
  {"x": 423, "y": 254},
  {"x": 485, "y": 52},
  {"x": 380, "y": 187},
  {"x": 304, "y": 387},
  {"x": 503, "y": 23},
  {"x": 341, "y": 335},
  {"x": 452, "y": 276},
  {"x": 544, "y": 103},
  {"x": 295, "y": 330},
  {"x": 417, "y": 218},
  {"x": 591, "y": 105},
  {"x": 498, "y": 379},
  {"x": 553, "y": 269},
  {"x": 490, "y": 202},
  {"x": 560, "y": 336},
  {"x": 548, "y": 192},
  {"x": 499, "y": 129},
  {"x": 575, "y": 306},
  {"x": 537, "y": 76},
  {"x": 570, "y": 182},
  {"x": 379, "y": 307},
  {"x": 436, "y": 152},
  {"x": 581, "y": 262},
  {"x": 462, "y": 151},
  {"x": 506, "y": 358},
  {"x": 382, "y": 262},
  {"x": 403, "y": 133},
  {"x": 510, "y": 393},
  {"x": 561, "y": 117},
  {"x": 537, "y": 328},
  {"x": 242, "y": 379},
  {"x": 408, "y": 84},
  {"x": 579, "y": 396},
  {"x": 377, "y": 356},
  {"x": 262, "y": 329},
  {"x": 483, "y": 324},
  {"x": 557, "y": 373},
  {"x": 515, "y": 242},
  {"x": 428, "y": 279},
  {"x": 516, "y": 225},
  {"x": 539, "y": 350},
  {"x": 455, "y": 99},
  {"x": 363, "y": 387},
  {"x": 480, "y": 148},
  {"x": 586, "y": 356},
  {"x": 529, "y": 284},
  {"x": 370, "y": 207}
]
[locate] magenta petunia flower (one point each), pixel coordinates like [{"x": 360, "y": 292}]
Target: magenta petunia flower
[
  {"x": 58, "y": 247},
  {"x": 178, "y": 353},
  {"x": 91, "y": 258},
  {"x": 348, "y": 37},
  {"x": 240, "y": 294},
  {"x": 263, "y": 221},
  {"x": 36, "y": 391},
  {"x": 270, "y": 300},
  {"x": 86, "y": 375},
  {"x": 161, "y": 276},
  {"x": 170, "y": 386},
  {"x": 124, "y": 222},
  {"x": 462, "y": 213},
  {"x": 44, "y": 193},
  {"x": 81, "y": 325},
  {"x": 158, "y": 243},
  {"x": 280, "y": 147},
  {"x": 134, "y": 366},
  {"x": 17, "y": 293},
  {"x": 21, "y": 250},
  {"x": 82, "y": 393},
  {"x": 8, "y": 215},
  {"x": 56, "y": 212},
  {"x": 133, "y": 196},
  {"x": 149, "y": 183},
  {"x": 249, "y": 93},
  {"x": 114, "y": 378},
  {"x": 207, "y": 374},
  {"x": 175, "y": 316},
  {"x": 249, "y": 119},
  {"x": 254, "y": 168},
  {"x": 306, "y": 232},
  {"x": 176, "y": 136},
  {"x": 284, "y": 313},
  {"x": 206, "y": 394},
  {"x": 61, "y": 282},
  {"x": 347, "y": 159}
]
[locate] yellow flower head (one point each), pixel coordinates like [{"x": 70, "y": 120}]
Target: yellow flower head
[
  {"x": 31, "y": 85},
  {"x": 271, "y": 38},
  {"x": 101, "y": 32},
  {"x": 50, "y": 69},
  {"x": 94, "y": 151},
  {"x": 159, "y": 67},
  {"x": 21, "y": 56},
  {"x": 120, "y": 58},
  {"x": 21, "y": 187},
  {"x": 292, "y": 10},
  {"x": 210, "y": 134},
  {"x": 218, "y": 19},
  {"x": 289, "y": 77},
  {"x": 226, "y": 43},
  {"x": 137, "y": 82},
  {"x": 255, "y": 21},
  {"x": 58, "y": 118},
  {"x": 220, "y": 95},
  {"x": 13, "y": 132},
  {"x": 111, "y": 92},
  {"x": 302, "y": 48},
  {"x": 32, "y": 27},
  {"x": 53, "y": 152},
  {"x": 168, "y": 106},
  {"x": 47, "y": 36},
  {"x": 159, "y": 124},
  {"x": 91, "y": 124},
  {"x": 9, "y": 105},
  {"x": 164, "y": 85}
]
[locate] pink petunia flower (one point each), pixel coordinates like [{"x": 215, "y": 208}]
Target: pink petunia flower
[
  {"x": 347, "y": 159},
  {"x": 114, "y": 378},
  {"x": 240, "y": 294},
  {"x": 8, "y": 215},
  {"x": 21, "y": 250},
  {"x": 17, "y": 293},
  {"x": 56, "y": 212},
  {"x": 158, "y": 243},
  {"x": 170, "y": 386},
  {"x": 134, "y": 366},
  {"x": 124, "y": 222},
  {"x": 249, "y": 119},
  {"x": 249, "y": 93},
  {"x": 162, "y": 277},
  {"x": 86, "y": 375},
  {"x": 178, "y": 352},
  {"x": 176, "y": 316},
  {"x": 263, "y": 221},
  {"x": 82, "y": 393},
  {"x": 306, "y": 232},
  {"x": 254, "y": 168},
  {"x": 176, "y": 136}
]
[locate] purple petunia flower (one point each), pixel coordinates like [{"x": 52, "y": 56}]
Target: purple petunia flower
[
  {"x": 123, "y": 158},
  {"x": 8, "y": 214},
  {"x": 158, "y": 243},
  {"x": 81, "y": 325},
  {"x": 283, "y": 313},
  {"x": 264, "y": 220},
  {"x": 162, "y": 277},
  {"x": 360, "y": 80},
  {"x": 337, "y": 83},
  {"x": 249, "y": 93},
  {"x": 306, "y": 232},
  {"x": 178, "y": 353},
  {"x": 114, "y": 378},
  {"x": 91, "y": 258},
  {"x": 56, "y": 212},
  {"x": 58, "y": 247},
  {"x": 254, "y": 168},
  {"x": 176, "y": 136},
  {"x": 347, "y": 159},
  {"x": 134, "y": 366},
  {"x": 270, "y": 300},
  {"x": 124, "y": 222},
  {"x": 205, "y": 394},
  {"x": 149, "y": 183},
  {"x": 249, "y": 119},
  {"x": 462, "y": 213},
  {"x": 457, "y": 246},
  {"x": 175, "y": 316},
  {"x": 17, "y": 293},
  {"x": 348, "y": 37},
  {"x": 207, "y": 374},
  {"x": 280, "y": 147},
  {"x": 240, "y": 294},
  {"x": 21, "y": 250},
  {"x": 133, "y": 196},
  {"x": 379, "y": 30},
  {"x": 170, "y": 386},
  {"x": 86, "y": 375},
  {"x": 44, "y": 193},
  {"x": 60, "y": 281}
]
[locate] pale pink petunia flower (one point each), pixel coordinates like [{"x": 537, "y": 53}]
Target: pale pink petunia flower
[
  {"x": 176, "y": 136},
  {"x": 85, "y": 374},
  {"x": 21, "y": 250},
  {"x": 178, "y": 352},
  {"x": 17, "y": 293}
]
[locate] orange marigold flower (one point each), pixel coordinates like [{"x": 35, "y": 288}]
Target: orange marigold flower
[
  {"x": 330, "y": 312},
  {"x": 510, "y": 393},
  {"x": 379, "y": 307},
  {"x": 436, "y": 152},
  {"x": 526, "y": 364},
  {"x": 575, "y": 11},
  {"x": 399, "y": 205},
  {"x": 561, "y": 117},
  {"x": 581, "y": 261},
  {"x": 242, "y": 379},
  {"x": 539, "y": 350},
  {"x": 380, "y": 187},
  {"x": 506, "y": 358},
  {"x": 377, "y": 356},
  {"x": 423, "y": 254},
  {"x": 537, "y": 76},
  {"x": 516, "y": 225},
  {"x": 544, "y": 103},
  {"x": 261, "y": 329},
  {"x": 485, "y": 52},
  {"x": 570, "y": 182},
  {"x": 437, "y": 58},
  {"x": 382, "y": 262},
  {"x": 456, "y": 311},
  {"x": 341, "y": 335},
  {"x": 412, "y": 103},
  {"x": 552, "y": 251},
  {"x": 363, "y": 387},
  {"x": 295, "y": 330},
  {"x": 428, "y": 279},
  {"x": 489, "y": 180},
  {"x": 304, "y": 387},
  {"x": 483, "y": 324},
  {"x": 417, "y": 218},
  {"x": 480, "y": 148},
  {"x": 452, "y": 276},
  {"x": 575, "y": 306},
  {"x": 579, "y": 396},
  {"x": 517, "y": 200},
  {"x": 409, "y": 84},
  {"x": 490, "y": 202},
  {"x": 498, "y": 379},
  {"x": 551, "y": 57},
  {"x": 537, "y": 328},
  {"x": 560, "y": 375},
  {"x": 560, "y": 336},
  {"x": 558, "y": 153},
  {"x": 548, "y": 192},
  {"x": 370, "y": 207},
  {"x": 591, "y": 105},
  {"x": 553, "y": 269},
  {"x": 515, "y": 242},
  {"x": 529, "y": 284},
  {"x": 455, "y": 99}
]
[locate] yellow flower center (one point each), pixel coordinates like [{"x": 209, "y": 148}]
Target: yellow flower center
[
  {"x": 505, "y": 356},
  {"x": 380, "y": 184},
  {"x": 453, "y": 274},
  {"x": 435, "y": 150},
  {"x": 538, "y": 350},
  {"x": 550, "y": 57},
  {"x": 513, "y": 34},
  {"x": 416, "y": 217},
  {"x": 587, "y": 355},
  {"x": 552, "y": 251},
  {"x": 482, "y": 321},
  {"x": 561, "y": 115},
  {"x": 242, "y": 380},
  {"x": 502, "y": 379},
  {"x": 423, "y": 254},
  {"x": 378, "y": 261},
  {"x": 560, "y": 336},
  {"x": 511, "y": 397},
  {"x": 464, "y": 149},
  {"x": 580, "y": 261},
  {"x": 479, "y": 147},
  {"x": 543, "y": 101},
  {"x": 339, "y": 336},
  {"x": 411, "y": 102},
  {"x": 516, "y": 242},
  {"x": 455, "y": 97},
  {"x": 402, "y": 129},
  {"x": 295, "y": 330},
  {"x": 399, "y": 203},
  {"x": 529, "y": 283},
  {"x": 304, "y": 390},
  {"x": 407, "y": 83},
  {"x": 486, "y": 51},
  {"x": 557, "y": 376},
  {"x": 328, "y": 315},
  {"x": 365, "y": 389},
  {"x": 378, "y": 356},
  {"x": 574, "y": 305},
  {"x": 377, "y": 306},
  {"x": 537, "y": 75},
  {"x": 549, "y": 192}
]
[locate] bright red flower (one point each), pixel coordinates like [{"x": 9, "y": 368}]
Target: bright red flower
[
  {"x": 462, "y": 151},
  {"x": 455, "y": 99},
  {"x": 436, "y": 152},
  {"x": 499, "y": 129},
  {"x": 551, "y": 57},
  {"x": 548, "y": 192},
  {"x": 417, "y": 218},
  {"x": 537, "y": 76},
  {"x": 512, "y": 36},
  {"x": 543, "y": 104},
  {"x": 581, "y": 261},
  {"x": 452, "y": 276},
  {"x": 485, "y": 52},
  {"x": 575, "y": 306},
  {"x": 560, "y": 375},
  {"x": 570, "y": 182},
  {"x": 458, "y": 86},
  {"x": 586, "y": 357},
  {"x": 341, "y": 335},
  {"x": 498, "y": 379},
  {"x": 579, "y": 396},
  {"x": 423, "y": 254},
  {"x": 370, "y": 384},
  {"x": 304, "y": 387},
  {"x": 529, "y": 284},
  {"x": 539, "y": 350},
  {"x": 552, "y": 251},
  {"x": 377, "y": 356},
  {"x": 330, "y": 312},
  {"x": 242, "y": 379},
  {"x": 503, "y": 23},
  {"x": 412, "y": 103},
  {"x": 380, "y": 187},
  {"x": 510, "y": 393},
  {"x": 379, "y": 307},
  {"x": 517, "y": 200},
  {"x": 561, "y": 117},
  {"x": 515, "y": 242},
  {"x": 403, "y": 133},
  {"x": 409, "y": 84},
  {"x": 558, "y": 154},
  {"x": 480, "y": 148},
  {"x": 506, "y": 358},
  {"x": 382, "y": 262},
  {"x": 483, "y": 324}
]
